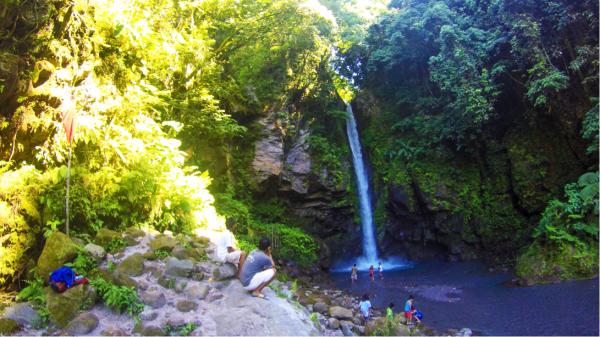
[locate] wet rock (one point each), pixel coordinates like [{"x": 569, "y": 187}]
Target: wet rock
[
  {"x": 154, "y": 298},
  {"x": 133, "y": 265},
  {"x": 176, "y": 267},
  {"x": 8, "y": 326},
  {"x": 63, "y": 307},
  {"x": 150, "y": 255},
  {"x": 113, "y": 331},
  {"x": 183, "y": 253},
  {"x": 152, "y": 331},
  {"x": 185, "y": 306},
  {"x": 23, "y": 313},
  {"x": 148, "y": 316},
  {"x": 180, "y": 286},
  {"x": 340, "y": 312},
  {"x": 134, "y": 232},
  {"x": 58, "y": 250},
  {"x": 163, "y": 242},
  {"x": 82, "y": 324},
  {"x": 333, "y": 323},
  {"x": 197, "y": 291},
  {"x": 95, "y": 251},
  {"x": 224, "y": 272},
  {"x": 320, "y": 307}
]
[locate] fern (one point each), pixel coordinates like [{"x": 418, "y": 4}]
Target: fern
[{"x": 120, "y": 298}]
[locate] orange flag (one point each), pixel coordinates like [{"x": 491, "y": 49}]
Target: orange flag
[{"x": 68, "y": 120}]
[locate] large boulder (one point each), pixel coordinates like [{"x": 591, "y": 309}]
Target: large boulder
[
  {"x": 192, "y": 253},
  {"x": 58, "y": 250},
  {"x": 133, "y": 265},
  {"x": 185, "y": 305},
  {"x": 176, "y": 267},
  {"x": 23, "y": 313},
  {"x": 320, "y": 307},
  {"x": 298, "y": 164},
  {"x": 63, "y": 307},
  {"x": 163, "y": 242},
  {"x": 82, "y": 324},
  {"x": 105, "y": 236},
  {"x": 340, "y": 313}
]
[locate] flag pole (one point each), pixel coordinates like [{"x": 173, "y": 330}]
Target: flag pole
[{"x": 68, "y": 185}]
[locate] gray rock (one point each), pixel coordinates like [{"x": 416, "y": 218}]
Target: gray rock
[
  {"x": 95, "y": 251},
  {"x": 340, "y": 313},
  {"x": 154, "y": 298},
  {"x": 152, "y": 331},
  {"x": 149, "y": 316},
  {"x": 176, "y": 267},
  {"x": 113, "y": 331},
  {"x": 167, "y": 282},
  {"x": 347, "y": 328},
  {"x": 465, "y": 332},
  {"x": 333, "y": 323},
  {"x": 133, "y": 265},
  {"x": 214, "y": 295},
  {"x": 320, "y": 307},
  {"x": 185, "y": 306},
  {"x": 268, "y": 154},
  {"x": 197, "y": 291},
  {"x": 82, "y": 324},
  {"x": 122, "y": 279},
  {"x": 224, "y": 272},
  {"x": 23, "y": 313},
  {"x": 197, "y": 276}
]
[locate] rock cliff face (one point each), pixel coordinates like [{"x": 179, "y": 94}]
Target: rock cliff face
[{"x": 283, "y": 167}]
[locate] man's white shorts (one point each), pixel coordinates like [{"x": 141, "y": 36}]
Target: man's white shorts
[
  {"x": 260, "y": 278},
  {"x": 233, "y": 257}
]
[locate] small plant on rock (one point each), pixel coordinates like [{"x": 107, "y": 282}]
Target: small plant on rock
[
  {"x": 162, "y": 253},
  {"x": 34, "y": 293},
  {"x": 120, "y": 298},
  {"x": 116, "y": 245},
  {"x": 83, "y": 263}
]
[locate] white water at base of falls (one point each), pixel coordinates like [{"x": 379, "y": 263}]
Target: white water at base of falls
[{"x": 362, "y": 182}]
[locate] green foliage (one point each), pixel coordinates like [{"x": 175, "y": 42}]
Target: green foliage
[
  {"x": 289, "y": 243},
  {"x": 120, "y": 298},
  {"x": 182, "y": 330},
  {"x": 20, "y": 218},
  {"x": 575, "y": 220},
  {"x": 116, "y": 245},
  {"x": 329, "y": 157},
  {"x": 162, "y": 253},
  {"x": 83, "y": 263},
  {"x": 590, "y": 127},
  {"x": 34, "y": 293}
]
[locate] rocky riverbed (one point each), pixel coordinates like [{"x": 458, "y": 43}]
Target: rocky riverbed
[{"x": 187, "y": 291}]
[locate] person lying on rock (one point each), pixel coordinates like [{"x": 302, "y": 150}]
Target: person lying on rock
[
  {"x": 258, "y": 269},
  {"x": 232, "y": 255}
]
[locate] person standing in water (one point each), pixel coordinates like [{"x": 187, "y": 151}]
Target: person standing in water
[
  {"x": 380, "y": 269},
  {"x": 372, "y": 273},
  {"x": 354, "y": 274}
]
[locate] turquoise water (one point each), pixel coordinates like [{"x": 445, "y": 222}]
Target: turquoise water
[{"x": 457, "y": 295}]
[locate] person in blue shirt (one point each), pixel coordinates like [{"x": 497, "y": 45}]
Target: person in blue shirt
[
  {"x": 409, "y": 310},
  {"x": 258, "y": 269},
  {"x": 365, "y": 307}
]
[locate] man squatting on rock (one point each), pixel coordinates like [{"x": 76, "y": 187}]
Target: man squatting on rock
[{"x": 259, "y": 269}]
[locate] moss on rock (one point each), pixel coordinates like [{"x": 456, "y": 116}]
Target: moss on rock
[
  {"x": 8, "y": 326},
  {"x": 58, "y": 250},
  {"x": 62, "y": 307},
  {"x": 541, "y": 263}
]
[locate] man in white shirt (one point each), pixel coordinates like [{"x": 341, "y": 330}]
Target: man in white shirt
[{"x": 227, "y": 248}]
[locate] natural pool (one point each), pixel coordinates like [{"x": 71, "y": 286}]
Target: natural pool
[{"x": 457, "y": 295}]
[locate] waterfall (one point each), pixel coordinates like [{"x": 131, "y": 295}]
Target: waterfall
[{"x": 366, "y": 214}]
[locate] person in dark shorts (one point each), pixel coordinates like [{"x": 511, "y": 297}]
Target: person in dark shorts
[{"x": 372, "y": 273}]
